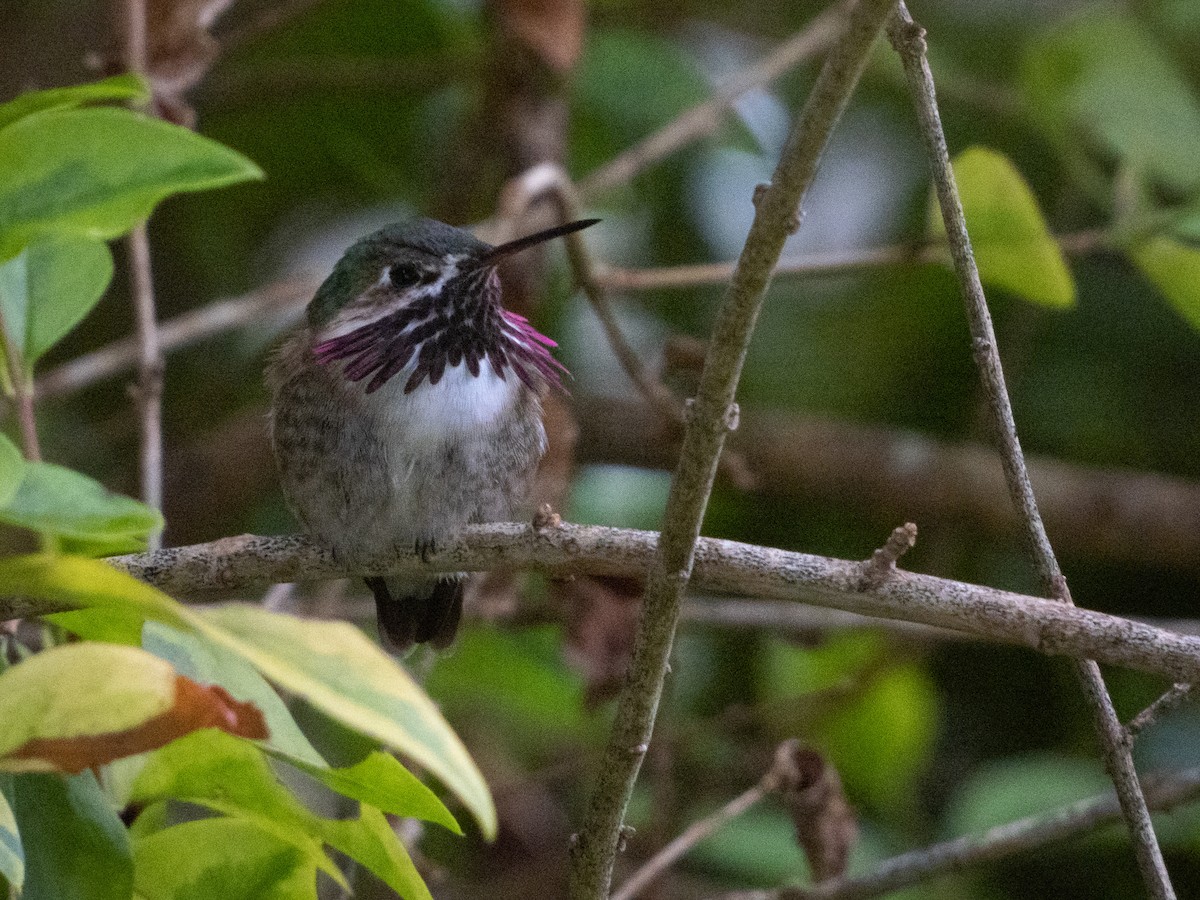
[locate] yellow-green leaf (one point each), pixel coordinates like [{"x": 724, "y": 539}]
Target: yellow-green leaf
[
  {"x": 12, "y": 469},
  {"x": 120, "y": 87},
  {"x": 331, "y": 664},
  {"x": 381, "y": 781},
  {"x": 1174, "y": 269},
  {"x": 233, "y": 777},
  {"x": 202, "y": 661},
  {"x": 238, "y": 859},
  {"x": 78, "y": 690},
  {"x": 80, "y": 706},
  {"x": 64, "y": 581},
  {"x": 340, "y": 671},
  {"x": 1013, "y": 247}
]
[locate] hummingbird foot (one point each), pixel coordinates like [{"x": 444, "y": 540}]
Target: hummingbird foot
[{"x": 425, "y": 548}]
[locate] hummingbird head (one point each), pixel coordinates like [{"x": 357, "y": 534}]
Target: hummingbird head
[{"x": 419, "y": 296}]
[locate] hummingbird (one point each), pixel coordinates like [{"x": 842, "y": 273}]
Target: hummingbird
[{"x": 408, "y": 404}]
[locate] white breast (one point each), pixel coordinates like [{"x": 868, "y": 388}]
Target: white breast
[{"x": 460, "y": 407}]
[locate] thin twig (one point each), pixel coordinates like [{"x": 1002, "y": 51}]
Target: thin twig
[
  {"x": 1178, "y": 694},
  {"x": 909, "y": 40},
  {"x": 689, "y": 838},
  {"x": 148, "y": 393},
  {"x": 706, "y": 117},
  {"x": 22, "y": 389},
  {"x": 548, "y": 179},
  {"x": 816, "y": 265},
  {"x": 882, "y": 562},
  {"x": 278, "y": 298},
  {"x": 725, "y": 567},
  {"x": 712, "y": 415},
  {"x": 1163, "y": 792},
  {"x": 151, "y": 362}
]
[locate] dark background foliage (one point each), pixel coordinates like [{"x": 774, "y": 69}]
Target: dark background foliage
[{"x": 363, "y": 111}]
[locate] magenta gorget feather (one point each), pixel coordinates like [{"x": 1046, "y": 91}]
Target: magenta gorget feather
[{"x": 462, "y": 323}]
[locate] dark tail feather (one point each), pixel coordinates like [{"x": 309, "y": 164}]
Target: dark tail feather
[
  {"x": 413, "y": 614},
  {"x": 442, "y": 612}
]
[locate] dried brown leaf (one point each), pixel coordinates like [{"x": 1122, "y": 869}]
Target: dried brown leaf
[
  {"x": 826, "y": 827},
  {"x": 551, "y": 29}
]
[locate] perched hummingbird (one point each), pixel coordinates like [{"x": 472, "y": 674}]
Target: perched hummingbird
[{"x": 409, "y": 404}]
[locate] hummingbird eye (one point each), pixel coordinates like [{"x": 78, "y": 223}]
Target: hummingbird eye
[{"x": 404, "y": 275}]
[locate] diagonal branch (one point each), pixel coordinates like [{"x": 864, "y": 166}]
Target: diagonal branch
[
  {"x": 275, "y": 299},
  {"x": 705, "y": 118},
  {"x": 711, "y": 416},
  {"x": 909, "y": 40}
]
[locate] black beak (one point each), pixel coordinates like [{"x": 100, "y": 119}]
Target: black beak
[{"x": 491, "y": 257}]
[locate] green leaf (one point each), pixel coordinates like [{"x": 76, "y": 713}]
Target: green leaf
[
  {"x": 12, "y": 855},
  {"x": 372, "y": 841},
  {"x": 617, "y": 66},
  {"x": 875, "y": 720},
  {"x": 12, "y": 469},
  {"x": 75, "y": 846},
  {"x": 517, "y": 683},
  {"x": 98, "y": 172},
  {"x": 1174, "y": 269},
  {"x": 207, "y": 663},
  {"x": 331, "y": 664},
  {"x": 613, "y": 108},
  {"x": 1105, "y": 78},
  {"x": 1188, "y": 228},
  {"x": 118, "y": 88},
  {"x": 381, "y": 781},
  {"x": 755, "y": 849},
  {"x": 63, "y": 502},
  {"x": 232, "y": 777},
  {"x": 48, "y": 288},
  {"x": 1013, "y": 247},
  {"x": 346, "y": 675},
  {"x": 230, "y": 859},
  {"x": 229, "y": 776},
  {"x": 1012, "y": 789},
  {"x": 80, "y": 690}
]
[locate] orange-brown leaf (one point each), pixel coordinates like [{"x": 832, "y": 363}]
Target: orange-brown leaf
[{"x": 196, "y": 706}]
